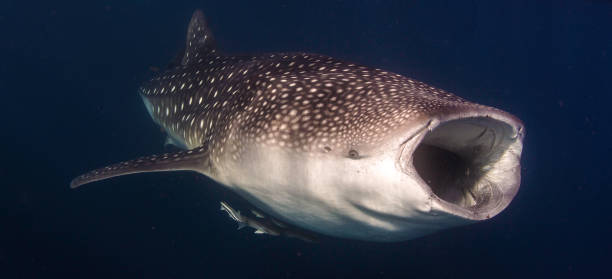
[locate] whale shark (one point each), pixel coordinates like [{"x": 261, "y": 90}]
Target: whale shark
[{"x": 329, "y": 146}]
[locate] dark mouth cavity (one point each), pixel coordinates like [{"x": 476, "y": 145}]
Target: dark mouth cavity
[{"x": 455, "y": 157}]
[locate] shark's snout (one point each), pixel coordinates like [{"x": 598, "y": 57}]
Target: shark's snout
[{"x": 468, "y": 163}]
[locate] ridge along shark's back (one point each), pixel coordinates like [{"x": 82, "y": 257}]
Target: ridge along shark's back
[{"x": 328, "y": 145}]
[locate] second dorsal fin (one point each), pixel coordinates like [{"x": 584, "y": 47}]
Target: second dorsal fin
[{"x": 200, "y": 41}]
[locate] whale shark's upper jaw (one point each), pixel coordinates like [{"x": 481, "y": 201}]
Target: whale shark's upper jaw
[{"x": 468, "y": 162}]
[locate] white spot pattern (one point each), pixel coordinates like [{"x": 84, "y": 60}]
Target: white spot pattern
[{"x": 298, "y": 101}]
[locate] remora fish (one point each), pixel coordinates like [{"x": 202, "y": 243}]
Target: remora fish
[
  {"x": 265, "y": 225},
  {"x": 244, "y": 221},
  {"x": 330, "y": 146}
]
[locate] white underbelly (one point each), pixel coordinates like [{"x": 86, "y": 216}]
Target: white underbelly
[{"x": 362, "y": 199}]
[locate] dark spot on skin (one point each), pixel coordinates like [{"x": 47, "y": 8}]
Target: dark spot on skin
[
  {"x": 327, "y": 149},
  {"x": 353, "y": 154}
]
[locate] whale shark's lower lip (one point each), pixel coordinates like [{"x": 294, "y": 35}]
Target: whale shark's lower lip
[{"x": 469, "y": 163}]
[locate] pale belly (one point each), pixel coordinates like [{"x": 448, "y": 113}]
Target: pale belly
[{"x": 364, "y": 199}]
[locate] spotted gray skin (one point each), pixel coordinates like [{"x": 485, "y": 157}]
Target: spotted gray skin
[{"x": 328, "y": 145}]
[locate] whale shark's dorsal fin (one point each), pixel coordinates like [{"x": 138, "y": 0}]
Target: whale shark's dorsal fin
[
  {"x": 194, "y": 159},
  {"x": 200, "y": 41}
]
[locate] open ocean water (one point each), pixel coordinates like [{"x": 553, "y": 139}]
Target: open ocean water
[{"x": 69, "y": 74}]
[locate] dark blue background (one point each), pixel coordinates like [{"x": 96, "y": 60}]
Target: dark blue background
[{"x": 68, "y": 78}]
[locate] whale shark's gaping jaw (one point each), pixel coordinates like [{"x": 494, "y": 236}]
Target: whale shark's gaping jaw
[
  {"x": 328, "y": 145},
  {"x": 469, "y": 163}
]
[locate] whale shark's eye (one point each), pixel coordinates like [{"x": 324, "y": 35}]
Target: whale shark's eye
[{"x": 353, "y": 154}]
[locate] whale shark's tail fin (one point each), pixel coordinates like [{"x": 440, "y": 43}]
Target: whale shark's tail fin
[
  {"x": 194, "y": 160},
  {"x": 200, "y": 41}
]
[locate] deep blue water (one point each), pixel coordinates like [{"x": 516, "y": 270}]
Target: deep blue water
[{"x": 68, "y": 78}]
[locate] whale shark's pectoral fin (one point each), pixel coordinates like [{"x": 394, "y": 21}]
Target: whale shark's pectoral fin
[{"x": 195, "y": 159}]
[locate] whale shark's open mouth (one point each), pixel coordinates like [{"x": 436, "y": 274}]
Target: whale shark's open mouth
[{"x": 471, "y": 165}]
